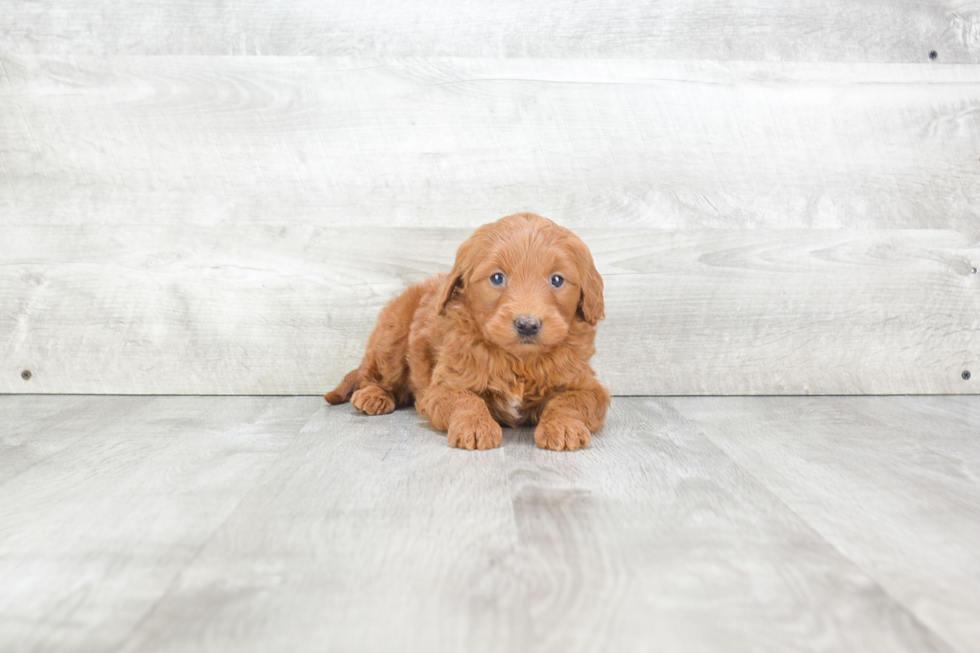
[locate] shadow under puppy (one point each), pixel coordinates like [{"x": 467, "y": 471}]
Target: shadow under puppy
[{"x": 505, "y": 338}]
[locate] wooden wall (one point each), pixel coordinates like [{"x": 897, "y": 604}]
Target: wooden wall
[{"x": 218, "y": 197}]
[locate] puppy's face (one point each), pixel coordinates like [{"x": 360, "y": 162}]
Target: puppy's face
[
  {"x": 525, "y": 280},
  {"x": 524, "y": 297}
]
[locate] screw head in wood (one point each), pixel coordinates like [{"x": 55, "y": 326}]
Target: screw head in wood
[
  {"x": 933, "y": 54},
  {"x": 26, "y": 375},
  {"x": 966, "y": 375}
]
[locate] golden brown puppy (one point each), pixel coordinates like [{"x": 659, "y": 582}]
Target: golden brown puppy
[{"x": 505, "y": 338}]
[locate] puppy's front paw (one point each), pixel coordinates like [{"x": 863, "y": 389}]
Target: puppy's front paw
[
  {"x": 475, "y": 431},
  {"x": 560, "y": 433},
  {"x": 373, "y": 400}
]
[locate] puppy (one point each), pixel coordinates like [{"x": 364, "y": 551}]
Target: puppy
[{"x": 505, "y": 338}]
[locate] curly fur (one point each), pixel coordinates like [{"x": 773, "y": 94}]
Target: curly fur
[{"x": 450, "y": 342}]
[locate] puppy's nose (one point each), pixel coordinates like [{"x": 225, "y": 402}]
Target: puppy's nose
[{"x": 527, "y": 325}]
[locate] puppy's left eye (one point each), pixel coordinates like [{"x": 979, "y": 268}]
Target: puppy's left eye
[
  {"x": 557, "y": 281},
  {"x": 497, "y": 279}
]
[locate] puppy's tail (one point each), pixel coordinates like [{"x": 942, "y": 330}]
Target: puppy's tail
[{"x": 346, "y": 388}]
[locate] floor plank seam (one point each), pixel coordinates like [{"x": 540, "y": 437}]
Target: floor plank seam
[
  {"x": 819, "y": 534},
  {"x": 713, "y": 523},
  {"x": 53, "y": 453},
  {"x": 165, "y": 594}
]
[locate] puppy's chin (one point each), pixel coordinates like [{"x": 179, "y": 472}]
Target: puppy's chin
[{"x": 525, "y": 347}]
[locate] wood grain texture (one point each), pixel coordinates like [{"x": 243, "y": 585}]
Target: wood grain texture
[
  {"x": 375, "y": 536},
  {"x": 893, "y": 483},
  {"x": 287, "y": 310},
  {"x": 93, "y": 533},
  {"x": 794, "y": 30},
  {"x": 35, "y": 428},
  {"x": 371, "y": 534},
  {"x": 458, "y": 142},
  {"x": 735, "y": 524}
]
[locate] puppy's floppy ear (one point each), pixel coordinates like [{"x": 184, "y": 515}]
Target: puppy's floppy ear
[
  {"x": 591, "y": 305},
  {"x": 464, "y": 261},
  {"x": 453, "y": 281}
]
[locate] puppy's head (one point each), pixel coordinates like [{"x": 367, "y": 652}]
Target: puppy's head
[{"x": 524, "y": 280}]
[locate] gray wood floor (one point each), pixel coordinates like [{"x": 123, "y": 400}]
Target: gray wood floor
[{"x": 714, "y": 524}]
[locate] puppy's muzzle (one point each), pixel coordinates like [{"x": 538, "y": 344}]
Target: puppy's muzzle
[{"x": 527, "y": 326}]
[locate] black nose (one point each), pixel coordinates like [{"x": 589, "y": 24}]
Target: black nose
[{"x": 527, "y": 325}]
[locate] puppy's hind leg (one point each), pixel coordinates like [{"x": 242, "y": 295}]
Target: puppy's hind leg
[
  {"x": 373, "y": 400},
  {"x": 380, "y": 384},
  {"x": 347, "y": 387},
  {"x": 366, "y": 396}
]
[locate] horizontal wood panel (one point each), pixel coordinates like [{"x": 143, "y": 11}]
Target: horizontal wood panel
[
  {"x": 263, "y": 309},
  {"x": 791, "y": 30},
  {"x": 455, "y": 143}
]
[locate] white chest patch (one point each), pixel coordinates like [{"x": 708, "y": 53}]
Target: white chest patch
[
  {"x": 514, "y": 405},
  {"x": 507, "y": 410}
]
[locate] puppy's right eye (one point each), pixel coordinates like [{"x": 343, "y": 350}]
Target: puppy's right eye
[{"x": 497, "y": 279}]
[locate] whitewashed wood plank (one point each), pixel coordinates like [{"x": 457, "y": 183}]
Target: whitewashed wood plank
[
  {"x": 371, "y": 534},
  {"x": 812, "y": 30},
  {"x": 891, "y": 482},
  {"x": 287, "y": 310},
  {"x": 189, "y": 311},
  {"x": 653, "y": 535},
  {"x": 35, "y": 428},
  {"x": 92, "y": 536},
  {"x": 454, "y": 143},
  {"x": 790, "y": 312}
]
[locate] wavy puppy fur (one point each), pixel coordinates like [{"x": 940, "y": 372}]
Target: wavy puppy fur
[{"x": 504, "y": 338}]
